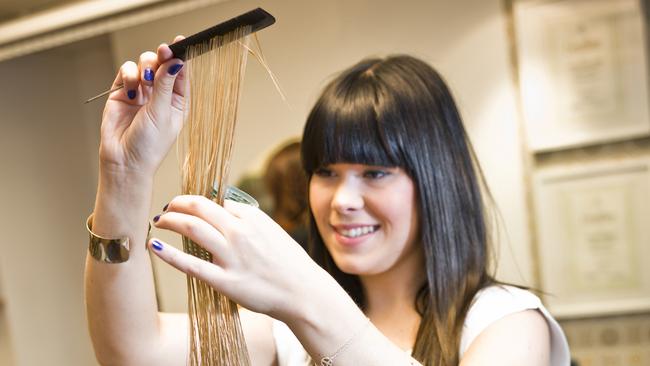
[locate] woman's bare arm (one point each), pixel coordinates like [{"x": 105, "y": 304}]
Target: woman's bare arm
[{"x": 518, "y": 339}]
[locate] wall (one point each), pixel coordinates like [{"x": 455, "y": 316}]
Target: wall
[
  {"x": 312, "y": 40},
  {"x": 622, "y": 340},
  {"x": 612, "y": 340},
  {"x": 6, "y": 353},
  {"x": 48, "y": 146}
]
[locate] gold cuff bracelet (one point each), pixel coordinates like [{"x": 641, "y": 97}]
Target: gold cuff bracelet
[{"x": 108, "y": 250}]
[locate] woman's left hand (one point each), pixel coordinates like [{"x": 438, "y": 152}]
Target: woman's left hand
[{"x": 254, "y": 261}]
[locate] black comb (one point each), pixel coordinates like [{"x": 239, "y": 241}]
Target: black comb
[{"x": 257, "y": 19}]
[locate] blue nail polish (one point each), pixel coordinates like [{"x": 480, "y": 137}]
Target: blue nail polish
[
  {"x": 174, "y": 69},
  {"x": 156, "y": 218},
  {"x": 131, "y": 94},
  {"x": 157, "y": 245},
  {"x": 165, "y": 208},
  {"x": 148, "y": 74}
]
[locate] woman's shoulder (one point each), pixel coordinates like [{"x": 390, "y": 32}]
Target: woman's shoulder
[
  {"x": 503, "y": 299},
  {"x": 491, "y": 304},
  {"x": 495, "y": 302}
]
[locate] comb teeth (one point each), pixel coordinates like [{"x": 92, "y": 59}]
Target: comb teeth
[
  {"x": 196, "y": 250},
  {"x": 257, "y": 19}
]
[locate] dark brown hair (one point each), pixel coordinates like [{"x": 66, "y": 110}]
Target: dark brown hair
[{"x": 398, "y": 112}]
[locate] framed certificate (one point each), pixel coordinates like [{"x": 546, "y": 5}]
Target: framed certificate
[
  {"x": 582, "y": 71},
  {"x": 593, "y": 236}
]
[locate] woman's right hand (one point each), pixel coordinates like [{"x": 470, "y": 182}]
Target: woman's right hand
[{"x": 141, "y": 121}]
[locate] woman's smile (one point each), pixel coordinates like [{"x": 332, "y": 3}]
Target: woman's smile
[{"x": 354, "y": 234}]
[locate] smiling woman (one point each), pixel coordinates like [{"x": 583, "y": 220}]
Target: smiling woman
[
  {"x": 397, "y": 221},
  {"x": 397, "y": 208}
]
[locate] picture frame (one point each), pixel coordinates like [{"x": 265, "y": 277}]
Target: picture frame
[
  {"x": 593, "y": 237},
  {"x": 582, "y": 69}
]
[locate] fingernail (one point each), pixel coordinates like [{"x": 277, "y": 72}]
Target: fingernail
[
  {"x": 156, "y": 218},
  {"x": 131, "y": 94},
  {"x": 174, "y": 69},
  {"x": 148, "y": 74},
  {"x": 165, "y": 208},
  {"x": 157, "y": 245}
]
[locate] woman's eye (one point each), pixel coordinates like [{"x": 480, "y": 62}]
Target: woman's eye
[
  {"x": 375, "y": 174},
  {"x": 323, "y": 172}
]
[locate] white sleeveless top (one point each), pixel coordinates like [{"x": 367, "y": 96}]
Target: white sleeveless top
[{"x": 490, "y": 304}]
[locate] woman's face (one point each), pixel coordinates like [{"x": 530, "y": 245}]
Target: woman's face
[{"x": 366, "y": 216}]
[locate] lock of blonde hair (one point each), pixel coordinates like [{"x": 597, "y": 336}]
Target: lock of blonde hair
[{"x": 215, "y": 72}]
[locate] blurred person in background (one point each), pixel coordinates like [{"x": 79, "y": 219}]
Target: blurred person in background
[{"x": 286, "y": 183}]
